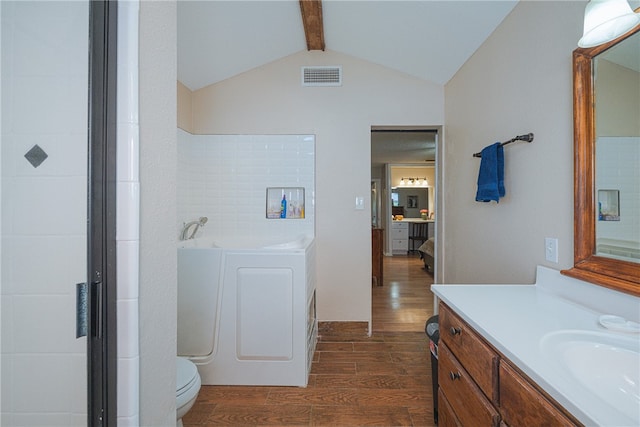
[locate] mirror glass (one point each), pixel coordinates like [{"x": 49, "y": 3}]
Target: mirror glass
[
  {"x": 413, "y": 200},
  {"x": 606, "y": 208},
  {"x": 616, "y": 74}
]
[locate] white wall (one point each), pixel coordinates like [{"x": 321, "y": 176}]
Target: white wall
[
  {"x": 158, "y": 259},
  {"x": 270, "y": 100},
  {"x": 519, "y": 81}
]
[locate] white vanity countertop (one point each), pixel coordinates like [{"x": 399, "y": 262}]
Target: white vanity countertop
[{"x": 515, "y": 318}]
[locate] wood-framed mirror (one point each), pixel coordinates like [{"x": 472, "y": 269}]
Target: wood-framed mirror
[{"x": 591, "y": 263}]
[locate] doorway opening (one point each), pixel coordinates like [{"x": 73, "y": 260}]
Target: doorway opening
[{"x": 404, "y": 175}]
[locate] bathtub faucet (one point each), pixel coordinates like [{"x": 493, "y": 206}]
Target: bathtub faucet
[{"x": 185, "y": 228}]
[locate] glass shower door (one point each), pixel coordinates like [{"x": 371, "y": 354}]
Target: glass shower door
[{"x": 44, "y": 189}]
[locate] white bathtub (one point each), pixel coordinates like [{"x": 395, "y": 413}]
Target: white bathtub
[
  {"x": 247, "y": 243},
  {"x": 246, "y": 310}
]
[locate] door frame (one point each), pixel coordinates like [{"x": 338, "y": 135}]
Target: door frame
[{"x": 101, "y": 223}]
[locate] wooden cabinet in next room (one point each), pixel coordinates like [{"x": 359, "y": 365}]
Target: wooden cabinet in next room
[{"x": 377, "y": 241}]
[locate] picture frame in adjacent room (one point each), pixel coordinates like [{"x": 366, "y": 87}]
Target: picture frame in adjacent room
[{"x": 412, "y": 202}]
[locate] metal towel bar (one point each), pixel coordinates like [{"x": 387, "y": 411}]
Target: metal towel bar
[{"x": 526, "y": 138}]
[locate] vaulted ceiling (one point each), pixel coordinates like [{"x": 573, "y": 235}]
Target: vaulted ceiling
[{"x": 429, "y": 39}]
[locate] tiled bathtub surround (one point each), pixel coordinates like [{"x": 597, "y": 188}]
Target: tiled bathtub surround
[
  {"x": 225, "y": 178},
  {"x": 617, "y": 169}
]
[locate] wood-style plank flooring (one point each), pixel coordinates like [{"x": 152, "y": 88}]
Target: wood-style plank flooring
[{"x": 356, "y": 380}]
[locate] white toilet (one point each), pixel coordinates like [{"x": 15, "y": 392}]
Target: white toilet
[{"x": 187, "y": 387}]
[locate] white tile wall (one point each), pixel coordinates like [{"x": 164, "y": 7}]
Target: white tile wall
[
  {"x": 44, "y": 83},
  {"x": 128, "y": 215},
  {"x": 617, "y": 169},
  {"x": 44, "y": 79},
  {"x": 225, "y": 178}
]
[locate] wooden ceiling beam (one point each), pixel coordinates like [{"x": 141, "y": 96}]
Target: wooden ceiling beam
[{"x": 312, "y": 22}]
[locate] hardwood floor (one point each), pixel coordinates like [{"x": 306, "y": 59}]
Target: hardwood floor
[
  {"x": 404, "y": 302},
  {"x": 356, "y": 380}
]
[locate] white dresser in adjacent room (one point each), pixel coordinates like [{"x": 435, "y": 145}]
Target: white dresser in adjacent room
[{"x": 399, "y": 237}]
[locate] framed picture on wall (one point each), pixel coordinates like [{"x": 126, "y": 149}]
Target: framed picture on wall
[{"x": 412, "y": 201}]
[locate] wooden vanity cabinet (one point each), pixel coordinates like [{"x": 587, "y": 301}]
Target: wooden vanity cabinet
[
  {"x": 521, "y": 404},
  {"x": 470, "y": 406},
  {"x": 467, "y": 372},
  {"x": 479, "y": 387},
  {"x": 446, "y": 416},
  {"x": 477, "y": 357}
]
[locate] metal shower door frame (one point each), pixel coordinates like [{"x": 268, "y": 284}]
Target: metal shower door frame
[{"x": 101, "y": 224}]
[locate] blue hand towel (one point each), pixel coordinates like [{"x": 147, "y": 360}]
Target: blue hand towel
[{"x": 491, "y": 175}]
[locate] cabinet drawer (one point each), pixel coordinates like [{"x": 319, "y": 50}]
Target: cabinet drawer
[
  {"x": 400, "y": 244},
  {"x": 472, "y": 408},
  {"x": 399, "y": 233},
  {"x": 522, "y": 405},
  {"x": 472, "y": 352},
  {"x": 399, "y": 225}
]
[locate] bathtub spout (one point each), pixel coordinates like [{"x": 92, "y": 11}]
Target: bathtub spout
[{"x": 185, "y": 228}]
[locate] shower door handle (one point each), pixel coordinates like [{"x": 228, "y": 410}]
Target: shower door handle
[
  {"x": 85, "y": 325},
  {"x": 81, "y": 310},
  {"x": 96, "y": 309}
]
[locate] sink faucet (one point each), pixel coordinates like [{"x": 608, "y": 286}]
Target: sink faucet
[{"x": 185, "y": 228}]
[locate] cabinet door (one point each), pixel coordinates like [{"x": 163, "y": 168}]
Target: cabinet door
[
  {"x": 474, "y": 354},
  {"x": 522, "y": 405},
  {"x": 376, "y": 254},
  {"x": 446, "y": 416},
  {"x": 470, "y": 405}
]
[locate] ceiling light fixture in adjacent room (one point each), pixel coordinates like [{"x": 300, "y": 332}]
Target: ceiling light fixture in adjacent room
[{"x": 413, "y": 182}]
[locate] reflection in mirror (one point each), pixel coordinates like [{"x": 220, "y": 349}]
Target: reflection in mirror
[
  {"x": 413, "y": 200},
  {"x": 617, "y": 159},
  {"x": 591, "y": 104}
]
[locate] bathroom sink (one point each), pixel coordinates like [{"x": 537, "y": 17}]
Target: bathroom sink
[{"x": 605, "y": 363}]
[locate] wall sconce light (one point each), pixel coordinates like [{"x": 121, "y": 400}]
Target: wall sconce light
[{"x": 606, "y": 20}]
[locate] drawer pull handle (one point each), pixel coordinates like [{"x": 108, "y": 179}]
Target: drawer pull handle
[
  {"x": 455, "y": 331},
  {"x": 454, "y": 376}
]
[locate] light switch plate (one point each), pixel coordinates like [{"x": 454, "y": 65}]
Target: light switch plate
[
  {"x": 359, "y": 203},
  {"x": 551, "y": 249}
]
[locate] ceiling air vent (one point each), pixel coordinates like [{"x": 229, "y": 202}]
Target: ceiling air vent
[{"x": 322, "y": 76}]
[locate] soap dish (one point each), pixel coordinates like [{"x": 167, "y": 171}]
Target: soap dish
[{"x": 620, "y": 324}]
